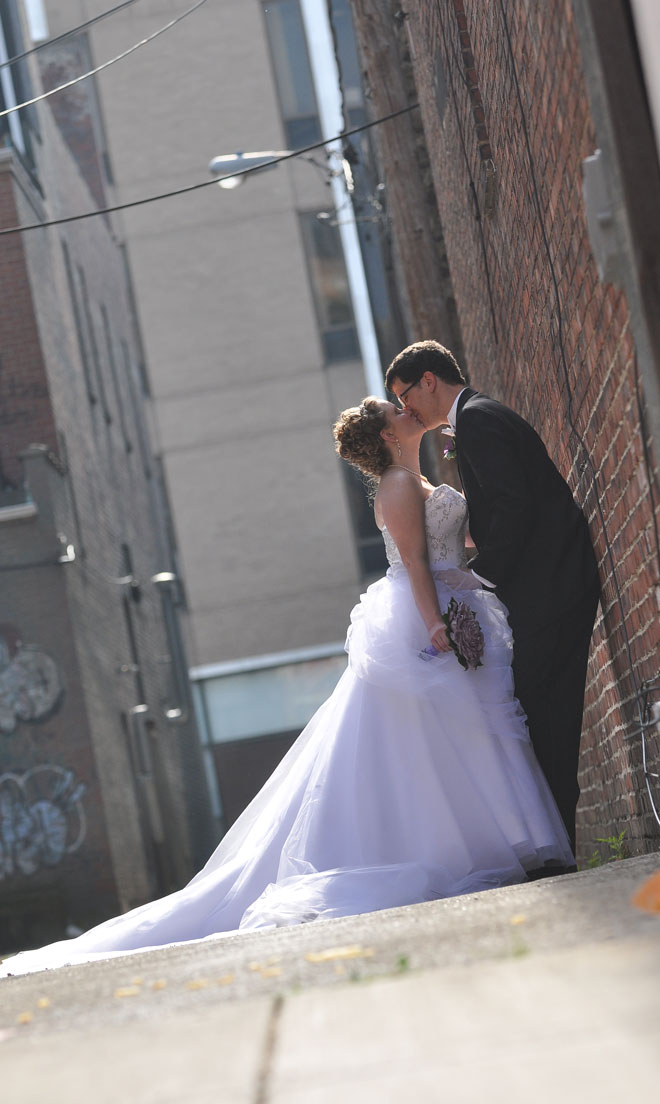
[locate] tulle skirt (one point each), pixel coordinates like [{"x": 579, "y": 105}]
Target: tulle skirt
[{"x": 415, "y": 780}]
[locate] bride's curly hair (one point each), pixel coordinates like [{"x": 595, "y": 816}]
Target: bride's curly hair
[{"x": 358, "y": 440}]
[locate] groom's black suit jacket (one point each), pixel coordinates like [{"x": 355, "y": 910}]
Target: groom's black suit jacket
[{"x": 532, "y": 539}]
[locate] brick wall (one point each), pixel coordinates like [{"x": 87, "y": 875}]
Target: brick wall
[{"x": 502, "y": 273}]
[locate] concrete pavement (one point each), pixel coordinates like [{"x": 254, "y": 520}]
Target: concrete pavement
[{"x": 527, "y": 993}]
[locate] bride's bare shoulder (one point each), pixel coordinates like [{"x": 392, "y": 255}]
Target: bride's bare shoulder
[{"x": 398, "y": 490}]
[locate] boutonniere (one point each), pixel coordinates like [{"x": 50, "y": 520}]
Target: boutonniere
[{"x": 450, "y": 451}]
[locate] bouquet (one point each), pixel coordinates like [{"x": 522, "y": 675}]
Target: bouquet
[{"x": 464, "y": 635}]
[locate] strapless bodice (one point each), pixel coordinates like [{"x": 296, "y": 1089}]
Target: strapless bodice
[{"x": 446, "y": 522}]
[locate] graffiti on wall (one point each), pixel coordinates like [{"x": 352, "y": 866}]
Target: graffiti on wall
[
  {"x": 30, "y": 683},
  {"x": 41, "y": 818}
]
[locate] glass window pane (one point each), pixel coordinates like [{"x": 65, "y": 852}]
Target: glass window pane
[
  {"x": 368, "y": 539},
  {"x": 270, "y": 700},
  {"x": 340, "y": 344},
  {"x": 302, "y": 132},
  {"x": 373, "y": 560},
  {"x": 328, "y": 271},
  {"x": 293, "y": 76},
  {"x": 349, "y": 65}
]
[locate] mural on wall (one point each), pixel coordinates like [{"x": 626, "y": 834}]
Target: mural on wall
[
  {"x": 41, "y": 818},
  {"x": 30, "y": 683}
]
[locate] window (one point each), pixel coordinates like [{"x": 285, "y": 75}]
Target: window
[
  {"x": 263, "y": 700},
  {"x": 131, "y": 594},
  {"x": 81, "y": 552},
  {"x": 347, "y": 59},
  {"x": 368, "y": 538},
  {"x": 293, "y": 76},
  {"x": 165, "y": 511},
  {"x": 11, "y": 130},
  {"x": 136, "y": 403},
  {"x": 251, "y": 713},
  {"x": 114, "y": 375},
  {"x": 327, "y": 268},
  {"x": 35, "y": 13},
  {"x": 15, "y": 86},
  {"x": 143, "y": 375},
  {"x": 94, "y": 350},
  {"x": 82, "y": 348}
]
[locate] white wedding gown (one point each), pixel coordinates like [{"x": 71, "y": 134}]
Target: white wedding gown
[{"x": 415, "y": 780}]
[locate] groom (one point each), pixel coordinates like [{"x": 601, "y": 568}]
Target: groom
[{"x": 533, "y": 548}]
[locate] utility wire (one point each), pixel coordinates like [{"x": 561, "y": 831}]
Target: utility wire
[
  {"x": 66, "y": 34},
  {"x": 640, "y": 701},
  {"x": 206, "y": 183},
  {"x": 106, "y": 64}
]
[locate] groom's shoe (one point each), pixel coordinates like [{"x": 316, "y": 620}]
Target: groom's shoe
[{"x": 549, "y": 871}]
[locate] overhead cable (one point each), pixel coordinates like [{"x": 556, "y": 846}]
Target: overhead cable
[
  {"x": 66, "y": 34},
  {"x": 206, "y": 183},
  {"x": 106, "y": 64}
]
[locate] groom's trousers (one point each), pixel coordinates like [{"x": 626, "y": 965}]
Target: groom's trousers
[{"x": 550, "y": 669}]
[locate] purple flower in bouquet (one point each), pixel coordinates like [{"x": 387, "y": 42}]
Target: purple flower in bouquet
[{"x": 464, "y": 635}]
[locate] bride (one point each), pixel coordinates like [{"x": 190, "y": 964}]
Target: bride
[{"x": 415, "y": 780}]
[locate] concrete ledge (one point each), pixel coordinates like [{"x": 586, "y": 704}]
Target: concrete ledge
[
  {"x": 541, "y": 992},
  {"x": 575, "y": 1026}
]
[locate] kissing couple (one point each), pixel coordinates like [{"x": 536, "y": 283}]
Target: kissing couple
[{"x": 445, "y": 760}]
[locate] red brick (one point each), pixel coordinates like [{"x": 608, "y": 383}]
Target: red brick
[{"x": 524, "y": 367}]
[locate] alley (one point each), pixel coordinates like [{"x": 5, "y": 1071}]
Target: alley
[{"x": 530, "y": 992}]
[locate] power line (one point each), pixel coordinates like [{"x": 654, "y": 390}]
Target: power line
[
  {"x": 106, "y": 64},
  {"x": 207, "y": 183},
  {"x": 66, "y": 34}
]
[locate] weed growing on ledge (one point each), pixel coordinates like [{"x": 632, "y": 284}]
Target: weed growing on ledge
[{"x": 617, "y": 850}]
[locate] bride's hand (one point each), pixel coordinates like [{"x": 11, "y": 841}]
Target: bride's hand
[{"x": 438, "y": 635}]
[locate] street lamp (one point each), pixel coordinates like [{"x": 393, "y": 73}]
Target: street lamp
[{"x": 230, "y": 165}]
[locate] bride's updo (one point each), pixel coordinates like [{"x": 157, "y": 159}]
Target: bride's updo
[{"x": 358, "y": 440}]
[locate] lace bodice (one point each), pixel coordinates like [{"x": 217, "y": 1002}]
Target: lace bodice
[{"x": 446, "y": 522}]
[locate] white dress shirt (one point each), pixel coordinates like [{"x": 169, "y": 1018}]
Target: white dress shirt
[{"x": 451, "y": 417}]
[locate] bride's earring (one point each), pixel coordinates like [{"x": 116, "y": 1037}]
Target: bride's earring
[{"x": 398, "y": 446}]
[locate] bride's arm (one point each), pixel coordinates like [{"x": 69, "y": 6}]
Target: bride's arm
[{"x": 401, "y": 504}]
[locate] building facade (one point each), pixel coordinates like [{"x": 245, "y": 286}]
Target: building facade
[
  {"x": 103, "y": 797},
  {"x": 253, "y": 332},
  {"x": 536, "y": 129}
]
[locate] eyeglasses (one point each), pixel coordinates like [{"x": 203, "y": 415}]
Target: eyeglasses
[{"x": 403, "y": 394}]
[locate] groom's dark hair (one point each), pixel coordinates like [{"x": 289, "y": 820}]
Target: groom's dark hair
[{"x": 424, "y": 356}]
